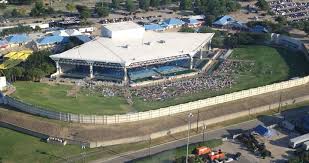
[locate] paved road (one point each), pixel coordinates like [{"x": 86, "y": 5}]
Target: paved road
[
  {"x": 219, "y": 133},
  {"x": 178, "y": 143}
]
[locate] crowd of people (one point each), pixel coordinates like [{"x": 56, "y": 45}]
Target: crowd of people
[
  {"x": 290, "y": 9},
  {"x": 221, "y": 78},
  {"x": 131, "y": 18}
]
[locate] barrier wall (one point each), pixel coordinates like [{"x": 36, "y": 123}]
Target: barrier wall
[
  {"x": 212, "y": 121},
  {"x": 114, "y": 119}
]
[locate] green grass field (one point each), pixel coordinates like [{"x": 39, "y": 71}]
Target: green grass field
[
  {"x": 17, "y": 147},
  {"x": 271, "y": 65},
  {"x": 55, "y": 97}
]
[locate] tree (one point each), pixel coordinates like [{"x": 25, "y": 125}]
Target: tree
[
  {"x": 154, "y": 3},
  {"x": 38, "y": 9},
  {"x": 3, "y": 6},
  {"x": 144, "y": 4},
  {"x": 306, "y": 29},
  {"x": 115, "y": 4},
  {"x": 84, "y": 11},
  {"x": 166, "y": 2},
  {"x": 102, "y": 9},
  {"x": 262, "y": 4},
  {"x": 15, "y": 13},
  {"x": 187, "y": 29},
  {"x": 281, "y": 20},
  {"x": 209, "y": 19},
  {"x": 70, "y": 7},
  {"x": 185, "y": 4},
  {"x": 130, "y": 6}
]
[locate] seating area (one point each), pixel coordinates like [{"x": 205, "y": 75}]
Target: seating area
[
  {"x": 142, "y": 73},
  {"x": 108, "y": 72},
  {"x": 166, "y": 70}
]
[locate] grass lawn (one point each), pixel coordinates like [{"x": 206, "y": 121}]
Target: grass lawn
[
  {"x": 178, "y": 153},
  {"x": 270, "y": 65},
  {"x": 17, "y": 147},
  {"x": 55, "y": 97}
]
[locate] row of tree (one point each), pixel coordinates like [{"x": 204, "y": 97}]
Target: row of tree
[
  {"x": 18, "y": 29},
  {"x": 34, "y": 68},
  {"x": 222, "y": 39}
]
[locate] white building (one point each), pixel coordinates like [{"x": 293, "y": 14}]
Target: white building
[{"x": 125, "y": 46}]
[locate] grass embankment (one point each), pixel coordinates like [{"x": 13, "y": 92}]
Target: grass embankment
[
  {"x": 59, "y": 98},
  {"x": 14, "y": 145},
  {"x": 17, "y": 147},
  {"x": 270, "y": 65}
]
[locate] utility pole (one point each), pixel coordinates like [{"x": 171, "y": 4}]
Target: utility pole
[
  {"x": 280, "y": 100},
  {"x": 189, "y": 128},
  {"x": 204, "y": 129},
  {"x": 197, "y": 120},
  {"x": 149, "y": 145}
]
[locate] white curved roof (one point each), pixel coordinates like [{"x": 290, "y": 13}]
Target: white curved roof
[{"x": 150, "y": 47}]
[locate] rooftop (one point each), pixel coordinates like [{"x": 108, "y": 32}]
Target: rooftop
[
  {"x": 120, "y": 26},
  {"x": 152, "y": 46}
]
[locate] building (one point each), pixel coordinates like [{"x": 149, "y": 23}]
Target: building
[
  {"x": 192, "y": 22},
  {"x": 126, "y": 49},
  {"x": 50, "y": 41},
  {"x": 229, "y": 22},
  {"x": 3, "y": 44},
  {"x": 153, "y": 27},
  {"x": 67, "y": 33},
  {"x": 172, "y": 23},
  {"x": 18, "y": 40}
]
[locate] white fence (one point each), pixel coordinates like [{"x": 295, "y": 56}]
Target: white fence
[{"x": 113, "y": 119}]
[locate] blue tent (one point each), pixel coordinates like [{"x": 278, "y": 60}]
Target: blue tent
[
  {"x": 259, "y": 29},
  {"x": 3, "y": 43},
  {"x": 18, "y": 39},
  {"x": 263, "y": 131},
  {"x": 83, "y": 38},
  {"x": 153, "y": 27},
  {"x": 52, "y": 40},
  {"x": 224, "y": 20},
  {"x": 172, "y": 22}
]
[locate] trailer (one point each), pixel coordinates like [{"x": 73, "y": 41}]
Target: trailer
[{"x": 296, "y": 142}]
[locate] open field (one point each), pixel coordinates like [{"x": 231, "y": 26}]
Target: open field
[
  {"x": 270, "y": 65},
  {"x": 17, "y": 147},
  {"x": 60, "y": 98}
]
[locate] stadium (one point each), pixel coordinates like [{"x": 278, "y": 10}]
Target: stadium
[{"x": 126, "y": 53}]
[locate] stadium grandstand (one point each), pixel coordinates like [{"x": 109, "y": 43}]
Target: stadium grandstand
[{"x": 126, "y": 53}]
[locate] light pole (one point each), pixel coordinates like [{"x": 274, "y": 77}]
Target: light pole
[
  {"x": 189, "y": 128},
  {"x": 204, "y": 129}
]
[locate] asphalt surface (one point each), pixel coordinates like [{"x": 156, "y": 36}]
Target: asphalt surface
[
  {"x": 178, "y": 143},
  {"x": 219, "y": 133}
]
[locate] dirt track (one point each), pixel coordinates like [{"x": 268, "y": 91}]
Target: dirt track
[{"x": 108, "y": 132}]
